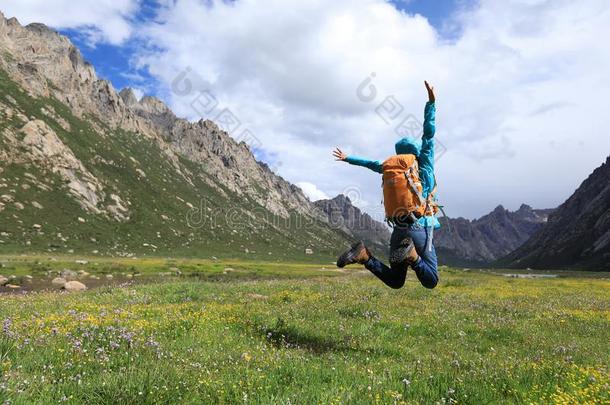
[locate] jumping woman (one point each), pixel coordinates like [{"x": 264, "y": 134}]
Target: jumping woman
[{"x": 408, "y": 188}]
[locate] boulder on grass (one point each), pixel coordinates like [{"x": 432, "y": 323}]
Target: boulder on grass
[{"x": 74, "y": 286}]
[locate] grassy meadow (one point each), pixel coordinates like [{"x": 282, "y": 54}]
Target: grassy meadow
[{"x": 247, "y": 332}]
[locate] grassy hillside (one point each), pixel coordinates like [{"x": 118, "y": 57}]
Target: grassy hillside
[
  {"x": 136, "y": 169},
  {"x": 318, "y": 337}
]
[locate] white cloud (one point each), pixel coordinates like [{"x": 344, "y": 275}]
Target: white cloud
[
  {"x": 312, "y": 191},
  {"x": 520, "y": 92},
  {"x": 100, "y": 20}
]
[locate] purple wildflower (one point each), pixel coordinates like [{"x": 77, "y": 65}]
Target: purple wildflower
[
  {"x": 77, "y": 344},
  {"x": 6, "y": 328},
  {"x": 127, "y": 336}
]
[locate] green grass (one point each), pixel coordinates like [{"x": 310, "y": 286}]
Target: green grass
[
  {"x": 20, "y": 266},
  {"x": 297, "y": 333}
]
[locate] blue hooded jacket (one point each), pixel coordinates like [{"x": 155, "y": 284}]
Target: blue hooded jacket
[{"x": 424, "y": 150}]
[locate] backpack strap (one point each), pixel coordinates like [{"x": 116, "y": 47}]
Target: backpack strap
[{"x": 409, "y": 177}]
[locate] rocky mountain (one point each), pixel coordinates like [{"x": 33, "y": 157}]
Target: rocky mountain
[
  {"x": 577, "y": 234},
  {"x": 343, "y": 214},
  {"x": 85, "y": 168},
  {"x": 482, "y": 241}
]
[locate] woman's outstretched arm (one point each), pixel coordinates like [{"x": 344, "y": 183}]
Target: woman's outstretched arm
[{"x": 374, "y": 165}]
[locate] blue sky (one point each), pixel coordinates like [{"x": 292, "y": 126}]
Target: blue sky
[{"x": 437, "y": 12}]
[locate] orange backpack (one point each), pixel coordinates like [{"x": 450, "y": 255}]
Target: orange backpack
[{"x": 402, "y": 189}]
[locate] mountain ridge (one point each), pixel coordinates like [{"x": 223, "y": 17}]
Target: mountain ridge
[
  {"x": 123, "y": 175},
  {"x": 577, "y": 234},
  {"x": 85, "y": 93},
  {"x": 484, "y": 240}
]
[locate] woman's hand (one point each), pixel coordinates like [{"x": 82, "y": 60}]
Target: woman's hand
[
  {"x": 431, "y": 97},
  {"x": 339, "y": 155}
]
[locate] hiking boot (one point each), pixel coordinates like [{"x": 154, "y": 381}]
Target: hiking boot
[
  {"x": 404, "y": 253},
  {"x": 358, "y": 253}
]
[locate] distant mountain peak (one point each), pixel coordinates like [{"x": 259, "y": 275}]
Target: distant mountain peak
[
  {"x": 41, "y": 29},
  {"x": 13, "y": 21},
  {"x": 500, "y": 208},
  {"x": 154, "y": 105},
  {"x": 129, "y": 97},
  {"x": 486, "y": 239},
  {"x": 343, "y": 199},
  {"x": 341, "y": 213},
  {"x": 577, "y": 233}
]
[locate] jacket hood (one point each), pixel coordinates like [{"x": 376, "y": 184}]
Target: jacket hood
[{"x": 408, "y": 146}]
